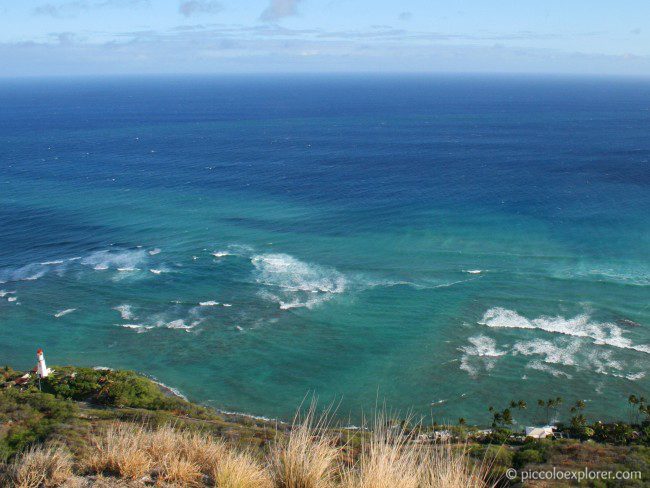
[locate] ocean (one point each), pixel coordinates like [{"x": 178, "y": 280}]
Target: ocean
[{"x": 435, "y": 244}]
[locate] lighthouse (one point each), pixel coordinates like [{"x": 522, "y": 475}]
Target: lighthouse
[{"x": 41, "y": 369}]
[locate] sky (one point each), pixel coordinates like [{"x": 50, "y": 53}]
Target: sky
[{"x": 117, "y": 37}]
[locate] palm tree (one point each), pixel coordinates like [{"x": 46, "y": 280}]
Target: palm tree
[
  {"x": 579, "y": 406},
  {"x": 540, "y": 404},
  {"x": 633, "y": 401}
]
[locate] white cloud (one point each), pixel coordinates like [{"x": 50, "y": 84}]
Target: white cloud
[
  {"x": 73, "y": 8},
  {"x": 278, "y": 9},
  {"x": 192, "y": 7}
]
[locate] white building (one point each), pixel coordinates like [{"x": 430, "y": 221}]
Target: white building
[{"x": 540, "y": 432}]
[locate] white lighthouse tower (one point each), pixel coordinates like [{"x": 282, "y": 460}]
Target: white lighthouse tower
[{"x": 41, "y": 369}]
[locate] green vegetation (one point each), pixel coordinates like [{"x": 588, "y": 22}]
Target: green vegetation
[
  {"x": 30, "y": 416},
  {"x": 74, "y": 404}
]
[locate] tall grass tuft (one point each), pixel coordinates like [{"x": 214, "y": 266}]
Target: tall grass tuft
[
  {"x": 42, "y": 466},
  {"x": 308, "y": 457},
  {"x": 119, "y": 450},
  {"x": 240, "y": 470},
  {"x": 388, "y": 459},
  {"x": 447, "y": 466}
]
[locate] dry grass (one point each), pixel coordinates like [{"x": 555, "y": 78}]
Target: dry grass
[
  {"x": 43, "y": 466},
  {"x": 240, "y": 470},
  {"x": 119, "y": 450},
  {"x": 446, "y": 466},
  {"x": 388, "y": 460},
  {"x": 308, "y": 457},
  {"x": 180, "y": 470}
]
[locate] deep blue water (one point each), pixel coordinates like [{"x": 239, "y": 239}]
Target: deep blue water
[{"x": 455, "y": 241}]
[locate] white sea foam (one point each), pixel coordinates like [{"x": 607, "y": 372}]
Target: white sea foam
[
  {"x": 139, "y": 328},
  {"x": 473, "y": 271},
  {"x": 156, "y": 271},
  {"x": 128, "y": 270},
  {"x": 12, "y": 299},
  {"x": 227, "y": 304},
  {"x": 480, "y": 354},
  {"x": 209, "y": 303},
  {"x": 564, "y": 353},
  {"x": 221, "y": 254},
  {"x": 153, "y": 252},
  {"x": 181, "y": 324},
  {"x": 29, "y": 272},
  {"x": 173, "y": 391},
  {"x": 49, "y": 263},
  {"x": 635, "y": 376},
  {"x": 64, "y": 312},
  {"x": 627, "y": 274},
  {"x": 4, "y": 293},
  {"x": 482, "y": 346},
  {"x": 125, "y": 260},
  {"x": 126, "y": 311},
  {"x": 579, "y": 326},
  {"x": 541, "y": 366},
  {"x": 293, "y": 283}
]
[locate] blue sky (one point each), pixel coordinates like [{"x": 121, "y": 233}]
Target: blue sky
[{"x": 90, "y": 37}]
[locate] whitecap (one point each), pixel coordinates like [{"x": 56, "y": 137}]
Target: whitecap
[
  {"x": 49, "y": 263},
  {"x": 126, "y": 311},
  {"x": 293, "y": 283},
  {"x": 29, "y": 272},
  {"x": 180, "y": 324},
  {"x": 564, "y": 353},
  {"x": 579, "y": 326},
  {"x": 64, "y": 312},
  {"x": 12, "y": 299},
  {"x": 635, "y": 376},
  {"x": 227, "y": 304},
  {"x": 127, "y": 270},
  {"x": 480, "y": 354},
  {"x": 209, "y": 303},
  {"x": 126, "y": 260},
  {"x": 540, "y": 366},
  {"x": 221, "y": 254},
  {"x": 153, "y": 252},
  {"x": 156, "y": 271},
  {"x": 139, "y": 328},
  {"x": 473, "y": 271}
]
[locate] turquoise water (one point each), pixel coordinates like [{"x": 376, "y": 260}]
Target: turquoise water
[{"x": 440, "y": 244}]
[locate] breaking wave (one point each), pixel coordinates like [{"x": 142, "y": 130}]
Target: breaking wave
[
  {"x": 123, "y": 260},
  {"x": 126, "y": 311},
  {"x": 601, "y": 333},
  {"x": 64, "y": 312},
  {"x": 480, "y": 354},
  {"x": 293, "y": 283},
  {"x": 29, "y": 272}
]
